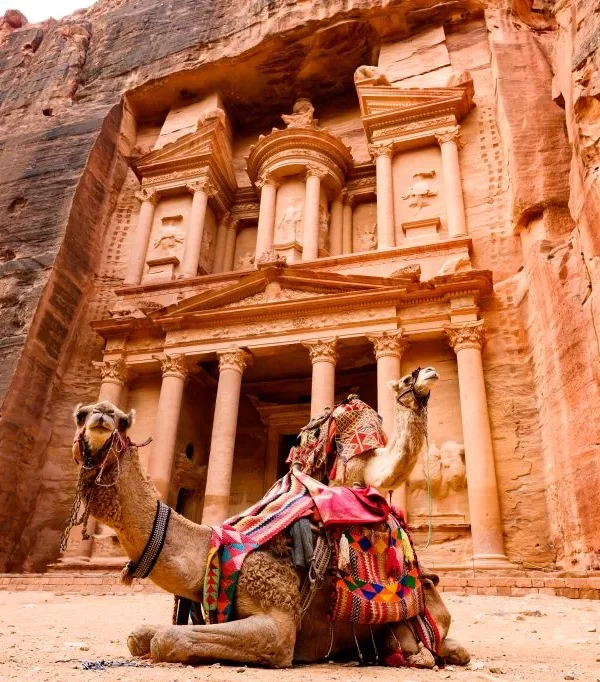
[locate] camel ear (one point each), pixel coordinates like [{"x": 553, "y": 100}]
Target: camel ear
[
  {"x": 80, "y": 414},
  {"x": 394, "y": 385},
  {"x": 126, "y": 420}
]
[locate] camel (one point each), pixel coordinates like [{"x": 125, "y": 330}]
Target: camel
[
  {"x": 388, "y": 468},
  {"x": 267, "y": 629}
]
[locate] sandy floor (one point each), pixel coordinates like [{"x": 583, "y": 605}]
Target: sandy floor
[{"x": 44, "y": 636}]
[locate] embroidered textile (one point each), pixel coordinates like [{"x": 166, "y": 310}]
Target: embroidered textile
[
  {"x": 231, "y": 542},
  {"x": 379, "y": 582},
  {"x": 349, "y": 430}
]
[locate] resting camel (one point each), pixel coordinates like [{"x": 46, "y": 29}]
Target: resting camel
[{"x": 266, "y": 629}]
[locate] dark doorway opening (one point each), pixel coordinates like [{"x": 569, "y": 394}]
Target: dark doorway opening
[{"x": 286, "y": 442}]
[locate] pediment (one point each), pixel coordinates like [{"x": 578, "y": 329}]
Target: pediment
[
  {"x": 273, "y": 285},
  {"x": 385, "y": 106},
  {"x": 206, "y": 147}
]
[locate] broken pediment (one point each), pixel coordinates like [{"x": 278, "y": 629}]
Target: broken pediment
[{"x": 411, "y": 115}]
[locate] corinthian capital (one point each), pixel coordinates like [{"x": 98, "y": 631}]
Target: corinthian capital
[
  {"x": 172, "y": 365},
  {"x": 452, "y": 135},
  {"x": 467, "y": 335},
  {"x": 322, "y": 350},
  {"x": 391, "y": 343},
  {"x": 150, "y": 195},
  {"x": 201, "y": 185},
  {"x": 235, "y": 359},
  {"x": 112, "y": 371},
  {"x": 267, "y": 178},
  {"x": 314, "y": 170},
  {"x": 376, "y": 150}
]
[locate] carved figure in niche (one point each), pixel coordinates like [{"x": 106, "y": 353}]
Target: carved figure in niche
[
  {"x": 290, "y": 225},
  {"x": 420, "y": 190},
  {"x": 447, "y": 470},
  {"x": 245, "y": 261},
  {"x": 323, "y": 225},
  {"x": 372, "y": 74},
  {"x": 366, "y": 238},
  {"x": 302, "y": 115},
  {"x": 169, "y": 236}
]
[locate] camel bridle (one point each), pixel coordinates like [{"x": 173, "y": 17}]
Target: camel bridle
[{"x": 421, "y": 400}]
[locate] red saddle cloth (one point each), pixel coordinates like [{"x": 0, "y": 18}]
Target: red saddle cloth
[{"x": 345, "y": 506}]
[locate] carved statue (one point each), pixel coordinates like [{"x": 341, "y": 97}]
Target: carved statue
[
  {"x": 323, "y": 225},
  {"x": 168, "y": 240},
  {"x": 291, "y": 223},
  {"x": 447, "y": 470},
  {"x": 245, "y": 261},
  {"x": 301, "y": 116},
  {"x": 370, "y": 75}
]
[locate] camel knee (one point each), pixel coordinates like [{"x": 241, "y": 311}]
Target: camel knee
[
  {"x": 165, "y": 647},
  {"x": 139, "y": 640}
]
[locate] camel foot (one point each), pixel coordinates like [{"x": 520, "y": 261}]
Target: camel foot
[
  {"x": 454, "y": 653},
  {"x": 139, "y": 640}
]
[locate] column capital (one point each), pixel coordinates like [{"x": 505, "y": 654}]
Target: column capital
[
  {"x": 314, "y": 170},
  {"x": 451, "y": 135},
  {"x": 267, "y": 178},
  {"x": 201, "y": 185},
  {"x": 322, "y": 350},
  {"x": 346, "y": 197},
  {"x": 466, "y": 335},
  {"x": 173, "y": 365},
  {"x": 392, "y": 343},
  {"x": 235, "y": 359},
  {"x": 150, "y": 195},
  {"x": 112, "y": 371},
  {"x": 376, "y": 150}
]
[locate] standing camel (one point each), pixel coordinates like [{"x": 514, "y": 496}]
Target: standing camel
[{"x": 266, "y": 629}]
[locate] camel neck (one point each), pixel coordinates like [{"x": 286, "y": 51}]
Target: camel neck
[{"x": 129, "y": 508}]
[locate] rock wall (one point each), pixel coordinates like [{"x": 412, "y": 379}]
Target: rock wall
[{"x": 70, "y": 93}]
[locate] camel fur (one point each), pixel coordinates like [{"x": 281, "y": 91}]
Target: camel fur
[{"x": 266, "y": 630}]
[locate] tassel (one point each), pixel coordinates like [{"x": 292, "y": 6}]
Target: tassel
[
  {"x": 344, "y": 553},
  {"x": 127, "y": 575},
  {"x": 409, "y": 555},
  {"x": 396, "y": 660},
  {"x": 392, "y": 565}
]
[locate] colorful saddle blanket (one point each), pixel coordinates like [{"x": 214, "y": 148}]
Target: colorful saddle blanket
[
  {"x": 349, "y": 430},
  {"x": 378, "y": 575}
]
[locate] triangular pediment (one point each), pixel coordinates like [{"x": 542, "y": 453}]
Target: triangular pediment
[{"x": 271, "y": 285}]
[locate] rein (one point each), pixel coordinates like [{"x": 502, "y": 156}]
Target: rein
[{"x": 116, "y": 445}]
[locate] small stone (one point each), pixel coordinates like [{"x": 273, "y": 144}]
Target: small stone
[
  {"x": 520, "y": 618},
  {"x": 496, "y": 671},
  {"x": 569, "y": 677},
  {"x": 591, "y": 629},
  {"x": 240, "y": 670},
  {"x": 215, "y": 665}
]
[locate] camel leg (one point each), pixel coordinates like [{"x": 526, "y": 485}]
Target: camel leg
[
  {"x": 139, "y": 640},
  {"x": 263, "y": 639}
]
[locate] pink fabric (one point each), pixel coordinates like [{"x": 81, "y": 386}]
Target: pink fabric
[{"x": 346, "y": 505}]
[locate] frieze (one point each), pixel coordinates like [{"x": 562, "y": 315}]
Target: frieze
[{"x": 415, "y": 125}]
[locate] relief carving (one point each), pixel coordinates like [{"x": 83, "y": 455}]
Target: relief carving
[
  {"x": 290, "y": 226},
  {"x": 420, "y": 191},
  {"x": 370, "y": 75},
  {"x": 447, "y": 470},
  {"x": 245, "y": 261}
]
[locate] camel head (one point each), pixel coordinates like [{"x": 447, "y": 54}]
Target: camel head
[
  {"x": 413, "y": 390},
  {"x": 96, "y": 424}
]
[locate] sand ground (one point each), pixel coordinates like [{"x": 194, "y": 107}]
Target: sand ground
[{"x": 46, "y": 636}]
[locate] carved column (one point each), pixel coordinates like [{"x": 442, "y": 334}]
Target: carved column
[
  {"x": 174, "y": 374},
  {"x": 201, "y": 191},
  {"x": 230, "y": 245},
  {"x": 232, "y": 364},
  {"x": 388, "y": 347},
  {"x": 139, "y": 247},
  {"x": 386, "y": 238},
  {"x": 347, "y": 200},
  {"x": 114, "y": 377},
  {"x": 336, "y": 234},
  {"x": 310, "y": 236},
  {"x": 484, "y": 509},
  {"x": 455, "y": 206},
  {"x": 220, "y": 243},
  {"x": 323, "y": 357},
  {"x": 266, "y": 217}
]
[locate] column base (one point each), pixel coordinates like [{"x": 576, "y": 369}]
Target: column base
[{"x": 490, "y": 561}]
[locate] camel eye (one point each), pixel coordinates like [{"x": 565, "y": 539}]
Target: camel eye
[{"x": 81, "y": 416}]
